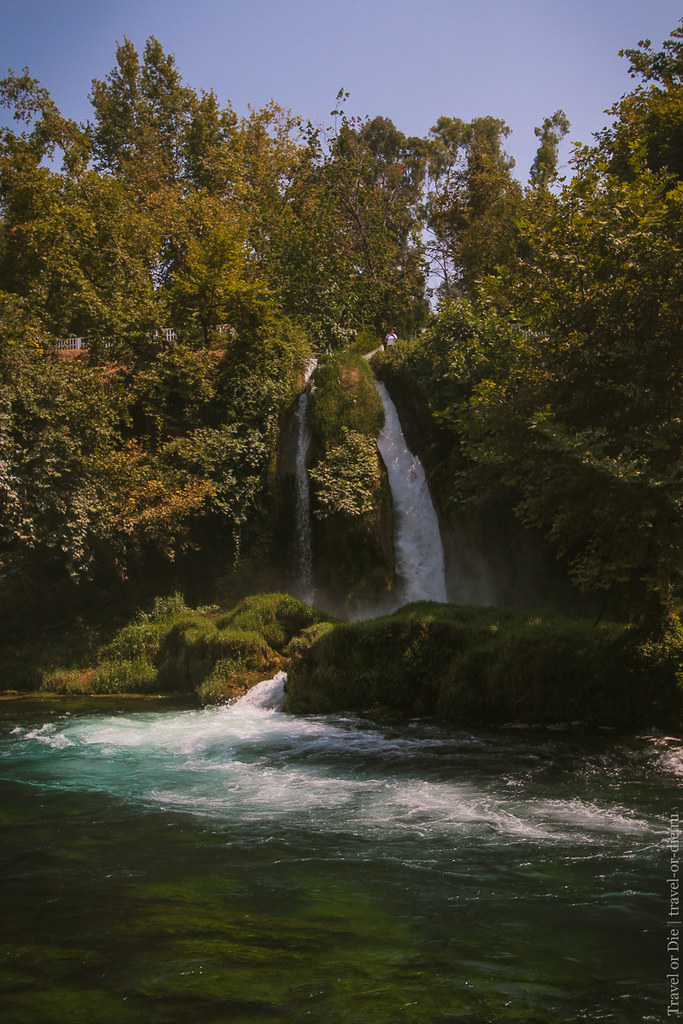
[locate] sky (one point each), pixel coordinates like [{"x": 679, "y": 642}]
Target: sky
[{"x": 409, "y": 60}]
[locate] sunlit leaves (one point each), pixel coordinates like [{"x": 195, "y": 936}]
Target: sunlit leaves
[
  {"x": 550, "y": 134},
  {"x": 144, "y": 505},
  {"x": 471, "y": 202},
  {"x": 55, "y": 421},
  {"x": 347, "y": 478}
]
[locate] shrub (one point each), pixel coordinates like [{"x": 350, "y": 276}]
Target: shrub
[
  {"x": 136, "y": 676},
  {"x": 490, "y": 666},
  {"x": 307, "y": 637},
  {"x": 348, "y": 477},
  {"x": 275, "y": 617},
  {"x": 344, "y": 395}
]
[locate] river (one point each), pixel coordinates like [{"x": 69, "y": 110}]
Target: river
[{"x": 238, "y": 864}]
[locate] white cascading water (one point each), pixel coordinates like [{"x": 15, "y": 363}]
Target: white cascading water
[
  {"x": 303, "y": 497},
  {"x": 420, "y": 565},
  {"x": 268, "y": 695}
]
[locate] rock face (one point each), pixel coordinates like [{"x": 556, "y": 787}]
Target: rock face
[
  {"x": 284, "y": 513},
  {"x": 353, "y": 551},
  {"x": 353, "y": 558}
]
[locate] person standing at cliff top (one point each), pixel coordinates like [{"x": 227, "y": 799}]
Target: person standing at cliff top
[{"x": 390, "y": 338}]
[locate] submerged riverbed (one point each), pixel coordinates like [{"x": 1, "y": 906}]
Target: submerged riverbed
[{"x": 239, "y": 864}]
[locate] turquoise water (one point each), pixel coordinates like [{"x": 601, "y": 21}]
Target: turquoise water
[{"x": 239, "y": 864}]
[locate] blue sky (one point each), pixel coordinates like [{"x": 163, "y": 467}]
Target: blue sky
[{"x": 519, "y": 60}]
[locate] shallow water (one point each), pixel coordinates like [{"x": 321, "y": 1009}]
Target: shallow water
[{"x": 239, "y": 864}]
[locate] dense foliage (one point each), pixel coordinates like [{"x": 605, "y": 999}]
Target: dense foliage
[
  {"x": 195, "y": 257},
  {"x": 559, "y": 382},
  {"x": 204, "y": 256}
]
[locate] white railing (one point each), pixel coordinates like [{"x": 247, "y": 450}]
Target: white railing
[
  {"x": 167, "y": 333},
  {"x": 78, "y": 344}
]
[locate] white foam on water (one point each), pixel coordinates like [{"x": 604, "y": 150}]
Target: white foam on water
[
  {"x": 250, "y": 762},
  {"x": 49, "y": 735},
  {"x": 585, "y": 816},
  {"x": 268, "y": 695},
  {"x": 671, "y": 756}
]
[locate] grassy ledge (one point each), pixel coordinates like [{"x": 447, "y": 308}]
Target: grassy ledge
[
  {"x": 465, "y": 665},
  {"x": 492, "y": 666},
  {"x": 216, "y": 654}
]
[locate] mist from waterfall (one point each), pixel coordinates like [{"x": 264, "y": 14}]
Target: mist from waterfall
[{"x": 420, "y": 564}]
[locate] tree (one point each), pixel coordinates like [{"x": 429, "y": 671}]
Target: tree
[
  {"x": 212, "y": 146},
  {"x": 552, "y": 131},
  {"x": 141, "y": 116},
  {"x": 581, "y": 418},
  {"x": 55, "y": 419},
  {"x": 143, "y": 508},
  {"x": 374, "y": 173},
  {"x": 309, "y": 261},
  {"x": 155, "y": 437},
  {"x": 72, "y": 243},
  {"x": 233, "y": 463},
  {"x": 648, "y": 127},
  {"x": 472, "y": 200},
  {"x": 208, "y": 283},
  {"x": 50, "y": 131}
]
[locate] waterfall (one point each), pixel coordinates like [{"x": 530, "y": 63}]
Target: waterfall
[
  {"x": 303, "y": 497},
  {"x": 419, "y": 551},
  {"x": 268, "y": 695}
]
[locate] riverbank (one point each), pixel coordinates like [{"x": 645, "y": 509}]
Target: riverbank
[
  {"x": 467, "y": 666},
  {"x": 490, "y": 666},
  {"x": 210, "y": 653}
]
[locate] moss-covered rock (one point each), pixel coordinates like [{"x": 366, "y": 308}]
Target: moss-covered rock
[
  {"x": 217, "y": 654},
  {"x": 466, "y": 665},
  {"x": 344, "y": 396},
  {"x": 492, "y": 666},
  {"x": 351, "y": 499}
]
